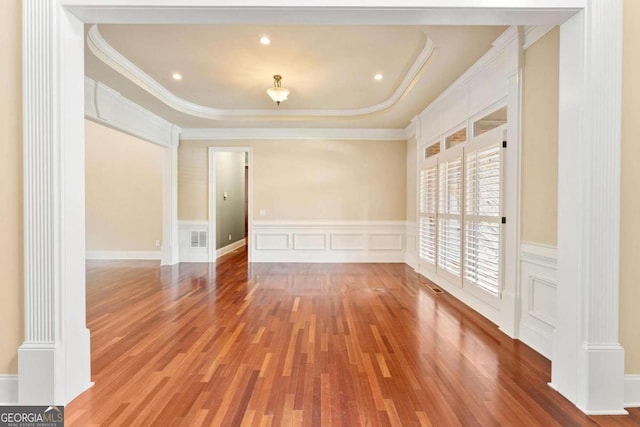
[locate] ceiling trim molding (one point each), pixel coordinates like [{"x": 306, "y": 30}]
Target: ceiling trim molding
[
  {"x": 106, "y": 106},
  {"x": 118, "y": 62},
  {"x": 534, "y": 33},
  {"x": 348, "y": 12},
  {"x": 502, "y": 42},
  {"x": 203, "y": 134},
  {"x": 410, "y": 130}
]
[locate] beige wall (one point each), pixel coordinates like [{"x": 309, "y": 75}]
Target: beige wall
[
  {"x": 412, "y": 179},
  {"x": 123, "y": 191},
  {"x": 539, "y": 209},
  {"x": 307, "y": 180},
  {"x": 11, "y": 299},
  {"x": 630, "y": 206}
]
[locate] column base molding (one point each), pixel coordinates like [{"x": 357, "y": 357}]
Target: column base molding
[
  {"x": 601, "y": 385},
  {"x": 49, "y": 374}
]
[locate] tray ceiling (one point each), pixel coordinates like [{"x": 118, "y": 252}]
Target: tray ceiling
[{"x": 329, "y": 70}]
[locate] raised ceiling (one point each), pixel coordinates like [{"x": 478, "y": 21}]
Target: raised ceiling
[{"x": 328, "y": 68}]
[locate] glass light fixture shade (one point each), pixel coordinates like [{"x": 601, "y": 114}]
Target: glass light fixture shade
[{"x": 278, "y": 94}]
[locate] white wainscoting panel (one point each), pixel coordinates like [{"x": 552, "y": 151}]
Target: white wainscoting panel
[
  {"x": 329, "y": 241},
  {"x": 538, "y": 281},
  {"x": 386, "y": 242},
  {"x": 8, "y": 389},
  {"x": 189, "y": 253},
  {"x": 309, "y": 241},
  {"x": 272, "y": 241},
  {"x": 347, "y": 241}
]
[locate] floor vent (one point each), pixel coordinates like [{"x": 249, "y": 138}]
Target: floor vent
[{"x": 436, "y": 290}]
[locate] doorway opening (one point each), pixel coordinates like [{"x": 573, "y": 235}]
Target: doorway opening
[{"x": 230, "y": 201}]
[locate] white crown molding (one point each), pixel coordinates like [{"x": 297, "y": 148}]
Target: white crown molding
[
  {"x": 533, "y": 33},
  {"x": 107, "y": 106},
  {"x": 114, "y": 59},
  {"x": 410, "y": 130},
  {"x": 195, "y": 134},
  {"x": 499, "y": 45}
]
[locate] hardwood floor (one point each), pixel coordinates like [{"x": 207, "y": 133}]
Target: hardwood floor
[{"x": 233, "y": 344}]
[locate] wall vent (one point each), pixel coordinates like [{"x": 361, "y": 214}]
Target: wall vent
[{"x": 198, "y": 239}]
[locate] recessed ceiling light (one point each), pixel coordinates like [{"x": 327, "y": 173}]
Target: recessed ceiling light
[
  {"x": 265, "y": 40},
  {"x": 177, "y": 76},
  {"x": 378, "y": 76}
]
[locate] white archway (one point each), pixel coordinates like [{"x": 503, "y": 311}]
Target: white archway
[{"x": 587, "y": 363}]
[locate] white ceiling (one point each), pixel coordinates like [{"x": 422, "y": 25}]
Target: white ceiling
[{"x": 328, "y": 68}]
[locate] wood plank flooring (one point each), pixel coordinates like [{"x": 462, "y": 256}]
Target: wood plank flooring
[{"x": 233, "y": 344}]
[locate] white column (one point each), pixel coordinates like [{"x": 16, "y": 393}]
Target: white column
[
  {"x": 170, "y": 247},
  {"x": 588, "y": 361},
  {"x": 54, "y": 360}
]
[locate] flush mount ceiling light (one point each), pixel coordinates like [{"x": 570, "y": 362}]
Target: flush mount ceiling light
[
  {"x": 277, "y": 92},
  {"x": 265, "y": 40},
  {"x": 378, "y": 76},
  {"x": 177, "y": 76}
]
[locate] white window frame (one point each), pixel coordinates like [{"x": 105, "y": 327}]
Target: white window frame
[{"x": 439, "y": 275}]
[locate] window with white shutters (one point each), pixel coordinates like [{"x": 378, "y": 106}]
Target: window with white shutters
[
  {"x": 450, "y": 214},
  {"x": 460, "y": 207}
]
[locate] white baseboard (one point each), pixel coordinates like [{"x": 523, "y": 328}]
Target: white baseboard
[
  {"x": 538, "y": 339},
  {"x": 632, "y": 391},
  {"x": 8, "y": 389},
  {"x": 230, "y": 248},
  {"x": 328, "y": 241},
  {"x": 489, "y": 312},
  {"x": 411, "y": 259},
  {"x": 123, "y": 255}
]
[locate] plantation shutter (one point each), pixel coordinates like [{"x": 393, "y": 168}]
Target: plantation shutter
[
  {"x": 483, "y": 192},
  {"x": 428, "y": 212}
]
